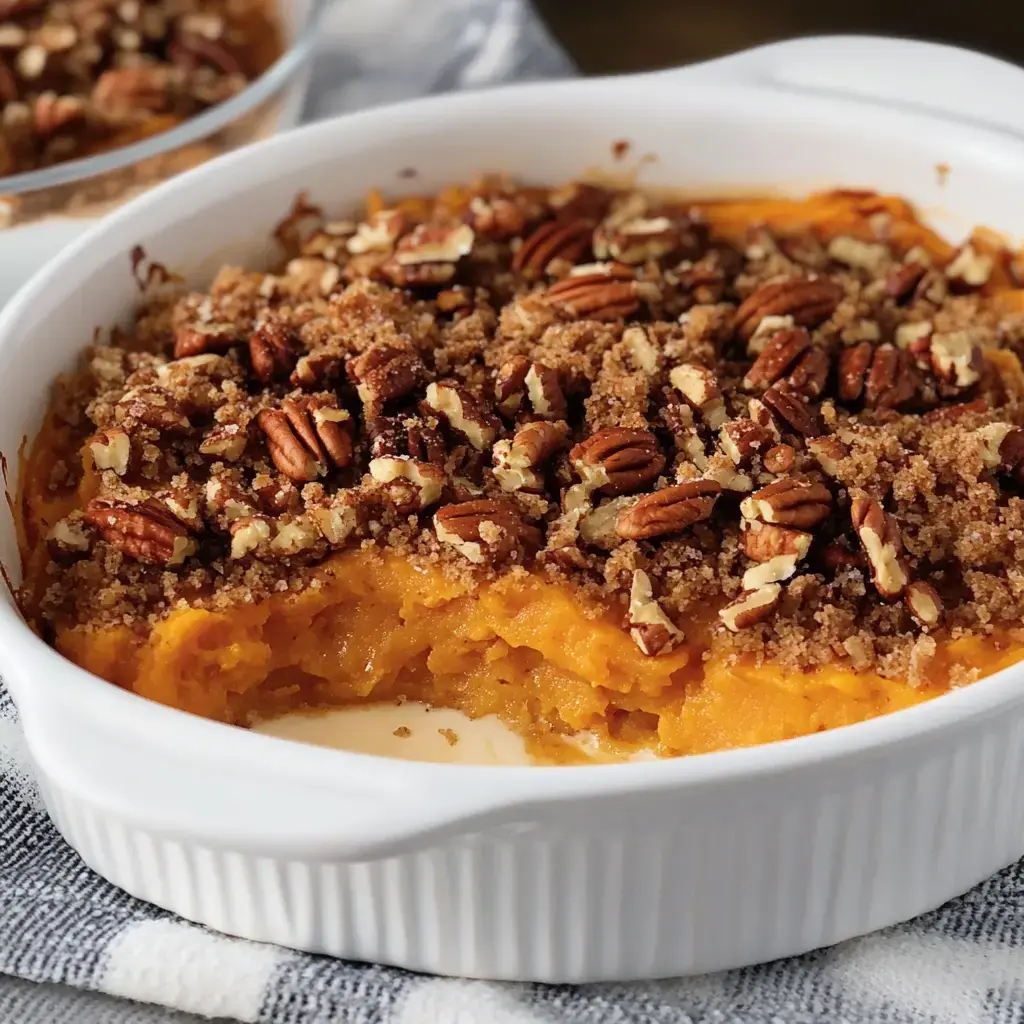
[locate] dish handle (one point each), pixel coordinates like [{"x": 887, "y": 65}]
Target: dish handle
[
  {"x": 247, "y": 792},
  {"x": 930, "y": 77}
]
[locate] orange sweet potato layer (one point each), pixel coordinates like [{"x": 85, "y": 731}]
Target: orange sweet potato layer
[{"x": 374, "y": 627}]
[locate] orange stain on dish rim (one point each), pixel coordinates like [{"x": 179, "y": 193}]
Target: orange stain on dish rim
[
  {"x": 942, "y": 172},
  {"x": 620, "y": 149}
]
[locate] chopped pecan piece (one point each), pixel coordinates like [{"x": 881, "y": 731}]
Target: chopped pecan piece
[
  {"x": 225, "y": 441},
  {"x": 496, "y": 217},
  {"x": 801, "y": 504},
  {"x": 777, "y": 550},
  {"x": 1002, "y": 447},
  {"x": 272, "y": 351},
  {"x": 879, "y": 534},
  {"x": 970, "y": 269},
  {"x": 779, "y": 459},
  {"x": 154, "y": 407},
  {"x": 670, "y": 510},
  {"x": 870, "y": 256},
  {"x": 779, "y": 354},
  {"x": 743, "y": 439},
  {"x": 405, "y": 436},
  {"x": 516, "y": 462},
  {"x": 651, "y": 629},
  {"x": 604, "y": 292},
  {"x": 637, "y": 239},
  {"x": 250, "y": 535},
  {"x": 924, "y": 603},
  {"x": 561, "y": 240},
  {"x": 378, "y": 233},
  {"x": 194, "y": 339},
  {"x": 764, "y": 418},
  {"x": 464, "y": 412},
  {"x": 111, "y": 449},
  {"x": 645, "y": 354},
  {"x": 520, "y": 379},
  {"x": 699, "y": 386},
  {"x": 423, "y": 481},
  {"x": 428, "y": 255},
  {"x": 829, "y": 452},
  {"x": 385, "y": 373},
  {"x": 751, "y": 608},
  {"x": 146, "y": 531},
  {"x": 808, "y": 301},
  {"x": 793, "y": 409},
  {"x": 618, "y": 460},
  {"x": 956, "y": 360},
  {"x": 486, "y": 530}
]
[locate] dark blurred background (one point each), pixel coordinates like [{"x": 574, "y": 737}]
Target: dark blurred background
[{"x": 628, "y": 35}]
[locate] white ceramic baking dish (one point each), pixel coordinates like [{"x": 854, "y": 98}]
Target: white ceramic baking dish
[{"x": 604, "y": 872}]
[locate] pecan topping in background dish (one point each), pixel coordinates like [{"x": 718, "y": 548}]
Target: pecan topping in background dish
[
  {"x": 78, "y": 78},
  {"x": 806, "y": 443}
]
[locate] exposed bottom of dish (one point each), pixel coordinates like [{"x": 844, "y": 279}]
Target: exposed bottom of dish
[{"x": 414, "y": 731}]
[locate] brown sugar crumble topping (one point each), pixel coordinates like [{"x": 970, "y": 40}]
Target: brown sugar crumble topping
[
  {"x": 804, "y": 447},
  {"x": 81, "y": 76}
]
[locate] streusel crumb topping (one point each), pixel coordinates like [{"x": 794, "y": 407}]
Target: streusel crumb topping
[{"x": 802, "y": 445}]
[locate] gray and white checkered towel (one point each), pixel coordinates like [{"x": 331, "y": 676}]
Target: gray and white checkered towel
[{"x": 59, "y": 922}]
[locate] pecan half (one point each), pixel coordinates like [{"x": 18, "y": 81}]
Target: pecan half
[
  {"x": 273, "y": 351},
  {"x": 605, "y": 292},
  {"x": 902, "y": 281},
  {"x": 797, "y": 503},
  {"x": 306, "y": 436},
  {"x": 516, "y": 461},
  {"x": 617, "y": 460},
  {"x": 561, "y": 240},
  {"x": 486, "y": 530},
  {"x": 794, "y": 410},
  {"x": 699, "y": 386},
  {"x": 880, "y": 537},
  {"x": 854, "y": 363},
  {"x": 651, "y": 629},
  {"x": 464, "y": 412},
  {"x": 751, "y": 608},
  {"x": 146, "y": 532},
  {"x": 637, "y": 239},
  {"x": 779, "y": 354},
  {"x": 670, "y": 510},
  {"x": 810, "y": 374},
  {"x": 385, "y": 373},
  {"x": 970, "y": 269},
  {"x": 924, "y": 603},
  {"x": 808, "y": 301},
  {"x": 891, "y": 381}
]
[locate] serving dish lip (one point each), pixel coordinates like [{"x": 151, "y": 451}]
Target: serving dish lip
[{"x": 24, "y": 653}]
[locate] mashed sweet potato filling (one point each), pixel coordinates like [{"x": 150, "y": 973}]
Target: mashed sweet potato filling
[{"x": 373, "y": 625}]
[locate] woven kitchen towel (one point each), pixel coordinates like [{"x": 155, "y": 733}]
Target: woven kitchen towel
[{"x": 60, "y": 922}]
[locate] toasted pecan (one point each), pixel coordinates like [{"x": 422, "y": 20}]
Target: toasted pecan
[{"x": 668, "y": 511}]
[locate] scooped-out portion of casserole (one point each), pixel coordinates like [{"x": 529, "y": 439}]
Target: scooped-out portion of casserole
[{"x": 674, "y": 476}]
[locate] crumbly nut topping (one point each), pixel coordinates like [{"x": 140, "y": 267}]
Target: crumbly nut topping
[
  {"x": 78, "y": 77},
  {"x": 809, "y": 447}
]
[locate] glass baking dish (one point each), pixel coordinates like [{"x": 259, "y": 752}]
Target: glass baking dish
[{"x": 40, "y": 211}]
